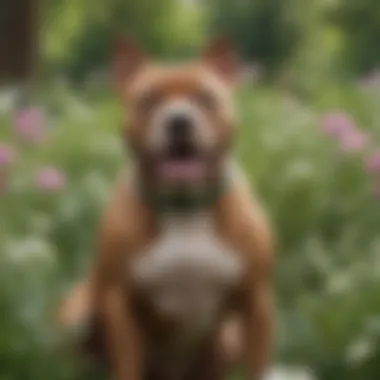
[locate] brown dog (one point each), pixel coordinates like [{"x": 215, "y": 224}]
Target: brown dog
[{"x": 183, "y": 244}]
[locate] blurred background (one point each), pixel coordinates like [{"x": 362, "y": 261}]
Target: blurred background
[{"x": 309, "y": 142}]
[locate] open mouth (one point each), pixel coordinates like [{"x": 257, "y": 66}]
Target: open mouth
[{"x": 182, "y": 163}]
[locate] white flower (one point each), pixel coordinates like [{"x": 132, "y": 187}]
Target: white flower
[
  {"x": 290, "y": 373},
  {"x": 29, "y": 250},
  {"x": 359, "y": 351}
]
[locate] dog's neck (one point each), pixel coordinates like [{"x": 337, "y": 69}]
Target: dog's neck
[{"x": 184, "y": 201}]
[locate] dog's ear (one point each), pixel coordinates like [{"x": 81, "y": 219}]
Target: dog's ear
[
  {"x": 127, "y": 61},
  {"x": 221, "y": 56}
]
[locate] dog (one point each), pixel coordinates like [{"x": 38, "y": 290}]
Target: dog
[{"x": 185, "y": 252}]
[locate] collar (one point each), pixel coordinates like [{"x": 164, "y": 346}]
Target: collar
[{"x": 184, "y": 202}]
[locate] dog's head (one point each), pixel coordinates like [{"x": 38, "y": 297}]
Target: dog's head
[{"x": 180, "y": 117}]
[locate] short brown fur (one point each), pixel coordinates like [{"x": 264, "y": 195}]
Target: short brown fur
[{"x": 129, "y": 325}]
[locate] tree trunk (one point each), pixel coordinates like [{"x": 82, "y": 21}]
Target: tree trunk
[{"x": 18, "y": 41}]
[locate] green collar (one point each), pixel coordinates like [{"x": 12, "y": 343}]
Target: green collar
[{"x": 184, "y": 202}]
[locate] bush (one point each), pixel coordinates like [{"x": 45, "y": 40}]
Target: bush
[{"x": 315, "y": 166}]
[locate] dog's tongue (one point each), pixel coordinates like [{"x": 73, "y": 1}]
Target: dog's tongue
[{"x": 186, "y": 170}]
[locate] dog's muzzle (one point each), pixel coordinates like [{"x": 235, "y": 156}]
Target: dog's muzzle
[{"x": 181, "y": 143}]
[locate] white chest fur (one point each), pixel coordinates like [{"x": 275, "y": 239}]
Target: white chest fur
[{"x": 188, "y": 269}]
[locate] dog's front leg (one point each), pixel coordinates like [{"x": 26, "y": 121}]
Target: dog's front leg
[
  {"x": 114, "y": 302},
  {"x": 122, "y": 336},
  {"x": 122, "y": 227},
  {"x": 258, "y": 326},
  {"x": 248, "y": 229},
  {"x": 258, "y": 305}
]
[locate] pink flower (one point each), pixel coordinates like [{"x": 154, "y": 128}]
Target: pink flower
[
  {"x": 373, "y": 163},
  {"x": 7, "y": 155},
  {"x": 30, "y": 124},
  {"x": 337, "y": 124},
  {"x": 50, "y": 179},
  {"x": 353, "y": 141}
]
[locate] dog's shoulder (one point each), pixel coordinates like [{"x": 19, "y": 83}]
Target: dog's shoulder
[
  {"x": 126, "y": 220},
  {"x": 243, "y": 222},
  {"x": 121, "y": 204}
]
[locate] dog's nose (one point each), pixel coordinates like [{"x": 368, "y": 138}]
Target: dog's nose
[{"x": 179, "y": 127}]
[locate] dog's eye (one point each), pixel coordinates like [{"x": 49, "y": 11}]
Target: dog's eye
[
  {"x": 147, "y": 102},
  {"x": 205, "y": 99}
]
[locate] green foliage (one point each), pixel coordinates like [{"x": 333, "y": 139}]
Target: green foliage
[
  {"x": 320, "y": 198},
  {"x": 47, "y": 235},
  {"x": 267, "y": 31},
  {"x": 307, "y": 41},
  {"x": 78, "y": 35},
  {"x": 360, "y": 23},
  {"x": 326, "y": 217},
  {"x": 324, "y": 204}
]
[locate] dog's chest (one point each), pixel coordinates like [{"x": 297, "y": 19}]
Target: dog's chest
[{"x": 188, "y": 271}]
